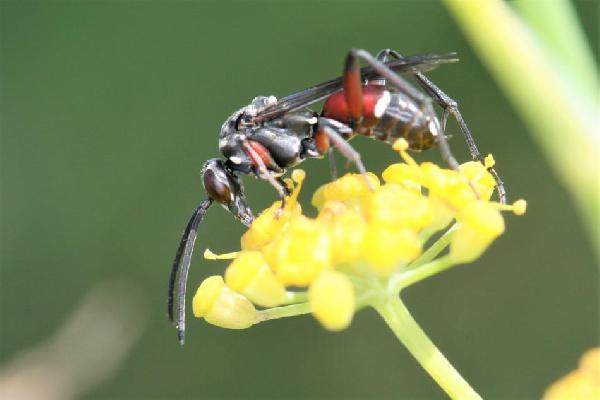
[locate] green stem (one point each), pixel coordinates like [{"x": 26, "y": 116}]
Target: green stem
[
  {"x": 435, "y": 249},
  {"x": 283, "y": 312},
  {"x": 536, "y": 83},
  {"x": 398, "y": 318},
  {"x": 296, "y": 297},
  {"x": 418, "y": 274},
  {"x": 397, "y": 280},
  {"x": 556, "y": 23}
]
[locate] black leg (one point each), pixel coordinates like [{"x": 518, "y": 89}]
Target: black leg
[
  {"x": 450, "y": 106},
  {"x": 382, "y": 56},
  {"x": 386, "y": 73}
]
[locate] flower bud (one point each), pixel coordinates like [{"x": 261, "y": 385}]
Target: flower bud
[
  {"x": 403, "y": 174},
  {"x": 331, "y": 298},
  {"x": 442, "y": 214},
  {"x": 268, "y": 224},
  {"x": 299, "y": 253},
  {"x": 384, "y": 247},
  {"x": 581, "y": 384},
  {"x": 250, "y": 275},
  {"x": 347, "y": 229},
  {"x": 450, "y": 186},
  {"x": 397, "y": 207},
  {"x": 274, "y": 218},
  {"x": 349, "y": 188},
  {"x": 479, "y": 224},
  {"x": 221, "y": 306},
  {"x": 480, "y": 178}
]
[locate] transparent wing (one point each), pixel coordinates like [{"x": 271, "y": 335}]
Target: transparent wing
[{"x": 419, "y": 63}]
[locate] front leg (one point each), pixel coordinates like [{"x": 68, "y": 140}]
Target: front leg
[{"x": 260, "y": 157}]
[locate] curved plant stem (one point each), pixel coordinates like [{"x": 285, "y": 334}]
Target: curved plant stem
[
  {"x": 412, "y": 272},
  {"x": 435, "y": 249},
  {"x": 560, "y": 115},
  {"x": 283, "y": 312},
  {"x": 422, "y": 272},
  {"x": 398, "y": 318},
  {"x": 296, "y": 297},
  {"x": 556, "y": 22}
]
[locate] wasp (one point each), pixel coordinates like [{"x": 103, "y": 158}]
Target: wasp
[{"x": 270, "y": 135}]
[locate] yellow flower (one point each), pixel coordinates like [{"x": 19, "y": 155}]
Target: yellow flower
[
  {"x": 442, "y": 213},
  {"x": 403, "y": 174},
  {"x": 368, "y": 241},
  {"x": 300, "y": 251},
  {"x": 397, "y": 207},
  {"x": 480, "y": 178},
  {"x": 385, "y": 247},
  {"x": 479, "y": 224},
  {"x": 221, "y": 306},
  {"x": 367, "y": 238},
  {"x": 347, "y": 228},
  {"x": 331, "y": 298},
  {"x": 449, "y": 186},
  {"x": 274, "y": 218},
  {"x": 250, "y": 275},
  {"x": 349, "y": 188},
  {"x": 580, "y": 384}
]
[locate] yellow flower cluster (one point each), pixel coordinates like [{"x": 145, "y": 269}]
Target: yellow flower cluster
[
  {"x": 580, "y": 384},
  {"x": 364, "y": 227}
]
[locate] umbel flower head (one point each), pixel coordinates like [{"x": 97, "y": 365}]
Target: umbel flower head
[{"x": 369, "y": 240}]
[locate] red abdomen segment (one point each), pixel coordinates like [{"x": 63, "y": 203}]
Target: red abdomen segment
[
  {"x": 387, "y": 116},
  {"x": 335, "y": 106}
]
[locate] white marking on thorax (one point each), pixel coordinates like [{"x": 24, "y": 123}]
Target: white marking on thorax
[
  {"x": 382, "y": 104},
  {"x": 312, "y": 120},
  {"x": 235, "y": 160}
]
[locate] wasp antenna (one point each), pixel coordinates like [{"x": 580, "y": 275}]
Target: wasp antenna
[{"x": 181, "y": 266}]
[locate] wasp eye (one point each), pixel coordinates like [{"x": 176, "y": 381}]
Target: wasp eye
[{"x": 216, "y": 187}]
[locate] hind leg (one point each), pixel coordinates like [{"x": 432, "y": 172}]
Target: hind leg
[{"x": 450, "y": 107}]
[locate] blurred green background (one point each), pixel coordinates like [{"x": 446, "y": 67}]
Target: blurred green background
[{"x": 109, "y": 109}]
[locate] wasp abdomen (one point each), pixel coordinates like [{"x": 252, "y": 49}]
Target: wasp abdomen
[{"x": 387, "y": 115}]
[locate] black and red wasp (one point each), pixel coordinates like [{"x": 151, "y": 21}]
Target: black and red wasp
[{"x": 269, "y": 135}]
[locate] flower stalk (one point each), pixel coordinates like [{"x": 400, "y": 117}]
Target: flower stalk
[{"x": 406, "y": 329}]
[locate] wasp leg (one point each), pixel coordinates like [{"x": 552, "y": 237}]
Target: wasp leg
[
  {"x": 450, "y": 106},
  {"x": 286, "y": 188},
  {"x": 265, "y": 174},
  {"x": 383, "y": 56},
  {"x": 332, "y": 164},
  {"x": 337, "y": 133}
]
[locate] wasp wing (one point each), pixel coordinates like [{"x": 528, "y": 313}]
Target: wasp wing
[{"x": 418, "y": 63}]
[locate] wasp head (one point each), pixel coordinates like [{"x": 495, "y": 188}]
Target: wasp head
[{"x": 225, "y": 187}]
